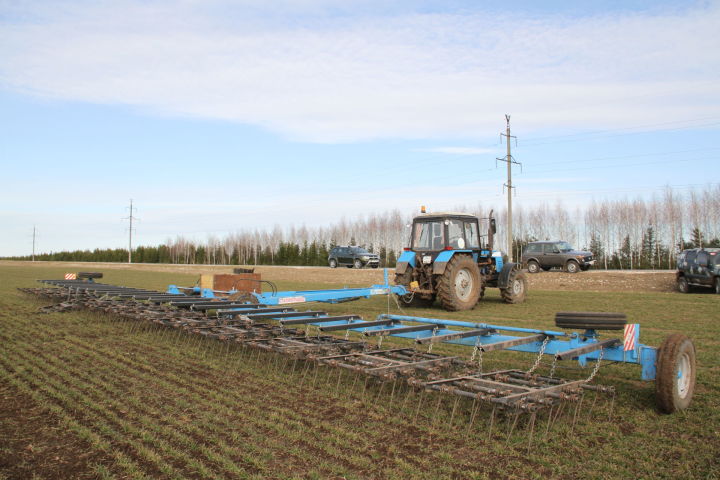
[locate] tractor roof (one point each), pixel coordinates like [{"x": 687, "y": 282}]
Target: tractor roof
[{"x": 445, "y": 214}]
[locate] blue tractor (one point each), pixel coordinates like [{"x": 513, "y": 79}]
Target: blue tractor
[{"x": 449, "y": 260}]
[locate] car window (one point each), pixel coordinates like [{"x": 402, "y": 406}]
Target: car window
[
  {"x": 714, "y": 258},
  {"x": 455, "y": 234},
  {"x": 702, "y": 259},
  {"x": 534, "y": 248},
  {"x": 471, "y": 235},
  {"x": 548, "y": 247},
  {"x": 564, "y": 246},
  {"x": 428, "y": 236},
  {"x": 691, "y": 256}
]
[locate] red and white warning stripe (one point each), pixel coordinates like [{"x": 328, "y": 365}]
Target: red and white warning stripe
[
  {"x": 629, "y": 337},
  {"x": 70, "y": 276}
]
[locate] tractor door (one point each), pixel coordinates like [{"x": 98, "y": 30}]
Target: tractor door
[{"x": 428, "y": 236}]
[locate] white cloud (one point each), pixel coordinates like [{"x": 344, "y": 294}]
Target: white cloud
[{"x": 332, "y": 79}]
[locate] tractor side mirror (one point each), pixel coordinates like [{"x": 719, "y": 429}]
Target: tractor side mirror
[{"x": 493, "y": 226}]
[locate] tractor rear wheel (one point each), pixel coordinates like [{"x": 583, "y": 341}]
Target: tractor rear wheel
[
  {"x": 410, "y": 299},
  {"x": 675, "y": 376},
  {"x": 460, "y": 284},
  {"x": 516, "y": 289}
]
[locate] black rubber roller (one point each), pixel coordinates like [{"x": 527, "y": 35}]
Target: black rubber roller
[
  {"x": 591, "y": 320},
  {"x": 90, "y": 275}
]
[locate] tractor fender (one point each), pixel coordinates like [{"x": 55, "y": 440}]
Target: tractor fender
[
  {"x": 444, "y": 257},
  {"x": 407, "y": 258},
  {"x": 505, "y": 274}
]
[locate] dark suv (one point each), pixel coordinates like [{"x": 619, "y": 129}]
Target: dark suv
[
  {"x": 352, "y": 257},
  {"x": 699, "y": 266},
  {"x": 547, "y": 255}
]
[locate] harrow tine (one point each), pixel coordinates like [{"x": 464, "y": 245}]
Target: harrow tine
[
  {"x": 455, "y": 404},
  {"x": 492, "y": 422},
  {"x": 512, "y": 426},
  {"x": 420, "y": 401},
  {"x": 473, "y": 412},
  {"x": 532, "y": 431}
]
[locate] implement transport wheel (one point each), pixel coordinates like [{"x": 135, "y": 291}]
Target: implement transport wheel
[
  {"x": 516, "y": 289},
  {"x": 459, "y": 286},
  {"x": 410, "y": 299},
  {"x": 533, "y": 266},
  {"x": 572, "y": 267},
  {"x": 683, "y": 286},
  {"x": 675, "y": 377},
  {"x": 591, "y": 320}
]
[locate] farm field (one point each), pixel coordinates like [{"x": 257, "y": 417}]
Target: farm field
[{"x": 84, "y": 395}]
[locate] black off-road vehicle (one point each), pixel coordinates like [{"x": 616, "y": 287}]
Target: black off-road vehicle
[
  {"x": 352, "y": 257},
  {"x": 547, "y": 255},
  {"x": 698, "y": 267}
]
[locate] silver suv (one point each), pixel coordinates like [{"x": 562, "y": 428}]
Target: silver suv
[{"x": 352, "y": 257}]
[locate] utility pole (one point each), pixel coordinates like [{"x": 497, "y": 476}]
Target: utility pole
[
  {"x": 131, "y": 218},
  {"x": 33, "y": 251},
  {"x": 509, "y": 160}
]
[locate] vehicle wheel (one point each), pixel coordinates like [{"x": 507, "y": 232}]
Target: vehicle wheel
[
  {"x": 333, "y": 263},
  {"x": 517, "y": 288},
  {"x": 683, "y": 286},
  {"x": 572, "y": 266},
  {"x": 357, "y": 263},
  {"x": 675, "y": 376},
  {"x": 533, "y": 266},
  {"x": 717, "y": 285},
  {"x": 459, "y": 286},
  {"x": 411, "y": 300},
  {"x": 591, "y": 320}
]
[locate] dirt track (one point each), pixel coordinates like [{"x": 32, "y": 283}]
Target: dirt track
[{"x": 594, "y": 280}]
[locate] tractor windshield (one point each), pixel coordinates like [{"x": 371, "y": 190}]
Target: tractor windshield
[{"x": 428, "y": 236}]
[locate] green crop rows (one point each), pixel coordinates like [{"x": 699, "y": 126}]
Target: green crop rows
[{"x": 147, "y": 402}]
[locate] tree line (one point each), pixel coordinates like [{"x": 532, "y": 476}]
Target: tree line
[{"x": 623, "y": 234}]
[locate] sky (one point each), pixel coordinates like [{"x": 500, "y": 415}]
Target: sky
[{"x": 218, "y": 116}]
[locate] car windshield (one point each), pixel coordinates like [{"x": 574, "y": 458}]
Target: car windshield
[
  {"x": 564, "y": 247},
  {"x": 358, "y": 250}
]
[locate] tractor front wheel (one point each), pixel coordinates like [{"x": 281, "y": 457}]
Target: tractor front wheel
[
  {"x": 459, "y": 286},
  {"x": 675, "y": 376},
  {"x": 516, "y": 288}
]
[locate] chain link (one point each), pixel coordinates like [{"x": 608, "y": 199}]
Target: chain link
[
  {"x": 597, "y": 367},
  {"x": 477, "y": 353},
  {"x": 552, "y": 368},
  {"x": 541, "y": 352},
  {"x": 430, "y": 347}
]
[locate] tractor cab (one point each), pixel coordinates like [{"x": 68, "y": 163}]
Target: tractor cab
[{"x": 449, "y": 259}]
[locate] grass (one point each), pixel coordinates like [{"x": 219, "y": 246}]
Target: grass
[{"x": 128, "y": 400}]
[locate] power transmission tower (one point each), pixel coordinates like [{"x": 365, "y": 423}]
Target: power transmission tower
[
  {"x": 509, "y": 160},
  {"x": 130, "y": 218}
]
